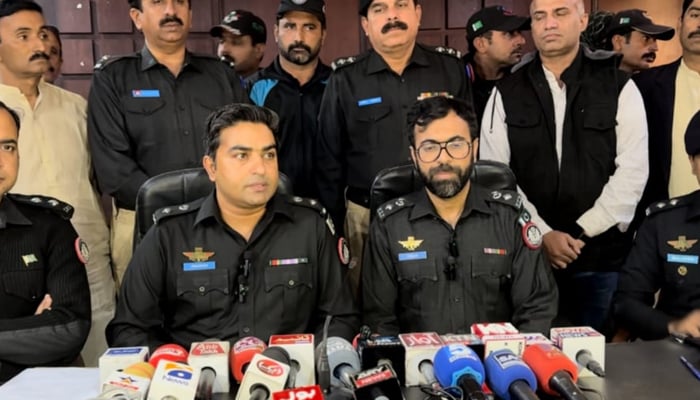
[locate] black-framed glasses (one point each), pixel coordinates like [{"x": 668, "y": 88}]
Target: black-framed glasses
[{"x": 457, "y": 148}]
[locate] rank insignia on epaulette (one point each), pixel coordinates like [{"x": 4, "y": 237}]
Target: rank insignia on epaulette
[
  {"x": 411, "y": 243},
  {"x": 342, "y": 61},
  {"x": 496, "y": 195},
  {"x": 682, "y": 244},
  {"x": 331, "y": 225},
  {"x": 101, "y": 62}
]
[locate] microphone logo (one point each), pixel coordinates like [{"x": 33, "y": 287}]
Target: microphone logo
[
  {"x": 178, "y": 373},
  {"x": 270, "y": 367},
  {"x": 207, "y": 348}
]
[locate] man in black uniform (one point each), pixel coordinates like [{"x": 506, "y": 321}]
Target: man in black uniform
[
  {"x": 455, "y": 253},
  {"x": 242, "y": 36},
  {"x": 364, "y": 108},
  {"x": 45, "y": 313},
  {"x": 495, "y": 45},
  {"x": 665, "y": 257},
  {"x": 146, "y": 111},
  {"x": 241, "y": 262},
  {"x": 293, "y": 87}
]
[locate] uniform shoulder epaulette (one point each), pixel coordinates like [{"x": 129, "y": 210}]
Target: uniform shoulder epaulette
[
  {"x": 64, "y": 210},
  {"x": 507, "y": 197},
  {"x": 345, "y": 61},
  {"x": 171, "y": 211},
  {"x": 392, "y": 207},
  {"x": 662, "y": 206},
  {"x": 107, "y": 60},
  {"x": 447, "y": 50},
  {"x": 308, "y": 203}
]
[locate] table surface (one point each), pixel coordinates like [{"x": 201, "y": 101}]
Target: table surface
[{"x": 639, "y": 371}]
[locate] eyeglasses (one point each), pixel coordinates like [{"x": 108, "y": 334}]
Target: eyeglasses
[
  {"x": 243, "y": 272},
  {"x": 457, "y": 148}
]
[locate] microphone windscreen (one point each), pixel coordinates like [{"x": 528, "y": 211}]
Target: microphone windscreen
[
  {"x": 454, "y": 361},
  {"x": 545, "y": 360},
  {"x": 170, "y": 352},
  {"x": 503, "y": 368}
]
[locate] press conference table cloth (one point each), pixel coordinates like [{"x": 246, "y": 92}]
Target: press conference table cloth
[{"x": 639, "y": 371}]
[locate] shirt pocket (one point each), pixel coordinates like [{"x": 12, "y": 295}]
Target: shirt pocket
[
  {"x": 292, "y": 286},
  {"x": 25, "y": 288},
  {"x": 599, "y": 122},
  {"x": 204, "y": 292},
  {"x": 683, "y": 273},
  {"x": 142, "y": 122},
  {"x": 491, "y": 278},
  {"x": 418, "y": 283},
  {"x": 520, "y": 125},
  {"x": 368, "y": 127}
]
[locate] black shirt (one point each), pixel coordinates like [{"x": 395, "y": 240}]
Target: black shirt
[
  {"x": 38, "y": 257},
  {"x": 297, "y": 107},
  {"x": 497, "y": 276},
  {"x": 363, "y": 117},
  {"x": 182, "y": 284},
  {"x": 143, "y": 121},
  {"x": 664, "y": 257},
  {"x": 481, "y": 88}
]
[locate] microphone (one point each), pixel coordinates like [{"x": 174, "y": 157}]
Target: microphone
[
  {"x": 378, "y": 383},
  {"x": 532, "y": 338},
  {"x": 458, "y": 365},
  {"x": 212, "y": 359},
  {"x": 498, "y": 336},
  {"x": 509, "y": 377},
  {"x": 470, "y": 340},
  {"x": 420, "y": 351},
  {"x": 174, "y": 380},
  {"x": 131, "y": 383},
  {"x": 118, "y": 358},
  {"x": 170, "y": 352},
  {"x": 267, "y": 373},
  {"x": 584, "y": 345},
  {"x": 301, "y": 351},
  {"x": 300, "y": 393},
  {"x": 343, "y": 361},
  {"x": 243, "y": 351},
  {"x": 383, "y": 350},
  {"x": 556, "y": 373}
]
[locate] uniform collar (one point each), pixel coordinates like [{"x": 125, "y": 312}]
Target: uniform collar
[
  {"x": 148, "y": 61},
  {"x": 476, "y": 201},
  {"x": 376, "y": 63},
  {"x": 694, "y": 209},
  {"x": 10, "y": 214},
  {"x": 321, "y": 73},
  {"x": 210, "y": 209}
]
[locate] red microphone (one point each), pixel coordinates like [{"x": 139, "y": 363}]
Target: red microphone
[
  {"x": 300, "y": 393},
  {"x": 556, "y": 373},
  {"x": 170, "y": 352},
  {"x": 241, "y": 354}
]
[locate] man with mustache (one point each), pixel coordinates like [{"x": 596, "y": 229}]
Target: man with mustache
[
  {"x": 633, "y": 34},
  {"x": 572, "y": 127},
  {"x": 55, "y": 156},
  {"x": 495, "y": 45},
  {"x": 242, "y": 36},
  {"x": 146, "y": 111},
  {"x": 293, "y": 86},
  {"x": 671, "y": 97},
  {"x": 454, "y": 253},
  {"x": 55, "y": 53},
  {"x": 243, "y": 261},
  {"x": 363, "y": 111}
]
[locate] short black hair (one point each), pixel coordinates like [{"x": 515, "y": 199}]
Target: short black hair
[
  {"x": 686, "y": 5},
  {"x": 138, "y": 4},
  {"x": 13, "y": 114},
  {"x": 470, "y": 41},
  {"x": 424, "y": 112},
  {"x": 231, "y": 114},
  {"x": 9, "y": 7},
  {"x": 56, "y": 33}
]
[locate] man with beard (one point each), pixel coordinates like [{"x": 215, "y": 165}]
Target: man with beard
[
  {"x": 672, "y": 97},
  {"x": 455, "y": 253},
  {"x": 293, "y": 86},
  {"x": 242, "y": 36},
  {"x": 572, "y": 127},
  {"x": 633, "y": 34},
  {"x": 364, "y": 110},
  {"x": 146, "y": 111},
  {"x": 495, "y": 45}
]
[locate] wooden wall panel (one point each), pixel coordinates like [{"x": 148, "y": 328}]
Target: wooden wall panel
[
  {"x": 81, "y": 58},
  {"x": 204, "y": 16},
  {"x": 460, "y": 11},
  {"x": 73, "y": 16},
  {"x": 433, "y": 14},
  {"x": 112, "y": 46},
  {"x": 112, "y": 16}
]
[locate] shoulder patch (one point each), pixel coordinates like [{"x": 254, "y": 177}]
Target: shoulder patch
[
  {"x": 171, "y": 211},
  {"x": 391, "y": 207},
  {"x": 64, "y": 210},
  {"x": 662, "y": 206},
  {"x": 507, "y": 197},
  {"x": 344, "y": 62},
  {"x": 448, "y": 50},
  {"x": 107, "y": 60}
]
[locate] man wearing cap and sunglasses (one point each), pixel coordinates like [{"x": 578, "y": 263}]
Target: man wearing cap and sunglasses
[
  {"x": 633, "y": 34},
  {"x": 242, "y": 36},
  {"x": 495, "y": 45}
]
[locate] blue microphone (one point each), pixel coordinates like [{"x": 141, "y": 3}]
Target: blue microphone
[
  {"x": 458, "y": 365},
  {"x": 509, "y": 377}
]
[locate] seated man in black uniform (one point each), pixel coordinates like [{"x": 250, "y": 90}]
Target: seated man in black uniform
[
  {"x": 665, "y": 257},
  {"x": 240, "y": 262},
  {"x": 455, "y": 253},
  {"x": 44, "y": 294}
]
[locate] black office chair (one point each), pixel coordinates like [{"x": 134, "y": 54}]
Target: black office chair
[
  {"x": 177, "y": 187},
  {"x": 398, "y": 181}
]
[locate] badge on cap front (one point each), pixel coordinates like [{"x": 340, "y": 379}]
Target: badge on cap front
[{"x": 299, "y": 2}]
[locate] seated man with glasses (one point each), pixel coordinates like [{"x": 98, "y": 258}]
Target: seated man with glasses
[
  {"x": 454, "y": 253},
  {"x": 243, "y": 261}
]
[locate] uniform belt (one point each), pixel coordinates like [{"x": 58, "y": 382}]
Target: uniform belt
[{"x": 358, "y": 196}]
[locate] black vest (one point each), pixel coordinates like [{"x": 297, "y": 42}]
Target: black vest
[{"x": 562, "y": 194}]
